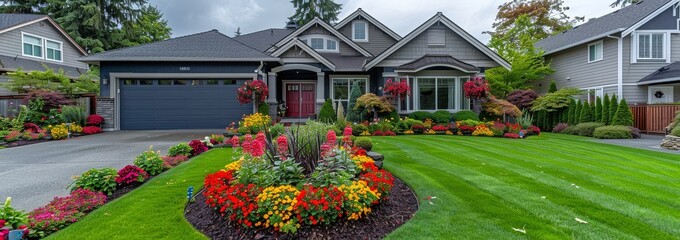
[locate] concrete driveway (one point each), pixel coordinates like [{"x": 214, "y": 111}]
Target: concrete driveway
[{"x": 32, "y": 175}]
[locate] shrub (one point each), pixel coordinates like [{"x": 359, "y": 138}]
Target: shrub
[
  {"x": 51, "y": 100},
  {"x": 170, "y": 161},
  {"x": 465, "y": 115},
  {"x": 605, "y": 110},
  {"x": 560, "y": 127},
  {"x": 613, "y": 106},
  {"x": 263, "y": 108},
  {"x": 327, "y": 114},
  {"x": 150, "y": 161},
  {"x": 613, "y": 132},
  {"x": 522, "y": 98},
  {"x": 182, "y": 149},
  {"x": 74, "y": 114},
  {"x": 277, "y": 130},
  {"x": 371, "y": 104},
  {"x": 598, "y": 111},
  {"x": 586, "y": 114},
  {"x": 441, "y": 116},
  {"x": 571, "y": 112},
  {"x": 98, "y": 180},
  {"x": 623, "y": 116},
  {"x": 570, "y": 130},
  {"x": 676, "y": 131},
  {"x": 10, "y": 217},
  {"x": 511, "y": 135},
  {"x": 354, "y": 115},
  {"x": 577, "y": 113},
  {"x": 63, "y": 211},
  {"x": 89, "y": 130},
  {"x": 197, "y": 147},
  {"x": 12, "y": 136},
  {"x": 553, "y": 87},
  {"x": 587, "y": 129},
  {"x": 364, "y": 142},
  {"x": 358, "y": 129},
  {"x": 95, "y": 119},
  {"x": 534, "y": 130},
  {"x": 420, "y": 115},
  {"x": 131, "y": 174}
]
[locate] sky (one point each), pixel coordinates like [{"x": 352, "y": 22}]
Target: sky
[{"x": 192, "y": 16}]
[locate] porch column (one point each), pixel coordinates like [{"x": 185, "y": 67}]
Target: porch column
[
  {"x": 272, "y": 87},
  {"x": 320, "y": 90}
]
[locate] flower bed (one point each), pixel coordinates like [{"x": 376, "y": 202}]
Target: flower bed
[
  {"x": 469, "y": 127},
  {"x": 280, "y": 186}
]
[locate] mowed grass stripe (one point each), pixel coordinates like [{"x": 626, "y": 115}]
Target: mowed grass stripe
[{"x": 452, "y": 146}]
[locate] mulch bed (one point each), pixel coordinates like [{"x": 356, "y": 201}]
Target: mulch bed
[
  {"x": 22, "y": 143},
  {"x": 385, "y": 218}
]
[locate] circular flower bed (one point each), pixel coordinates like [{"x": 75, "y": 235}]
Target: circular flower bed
[{"x": 288, "y": 184}]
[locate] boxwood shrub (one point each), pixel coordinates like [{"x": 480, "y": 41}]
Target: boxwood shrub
[
  {"x": 364, "y": 142},
  {"x": 465, "y": 115},
  {"x": 587, "y": 129},
  {"x": 421, "y": 115},
  {"x": 613, "y": 132},
  {"x": 441, "y": 116}
]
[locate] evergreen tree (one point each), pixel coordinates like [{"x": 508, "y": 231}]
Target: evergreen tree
[
  {"x": 553, "y": 87},
  {"x": 577, "y": 112},
  {"x": 623, "y": 116},
  {"x": 613, "y": 106},
  {"x": 327, "y": 114},
  {"x": 353, "y": 114},
  {"x": 564, "y": 114},
  {"x": 571, "y": 112},
  {"x": 598, "y": 110},
  {"x": 586, "y": 113},
  {"x": 605, "y": 110},
  {"x": 307, "y": 10}
]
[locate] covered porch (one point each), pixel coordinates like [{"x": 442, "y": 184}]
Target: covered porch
[{"x": 296, "y": 91}]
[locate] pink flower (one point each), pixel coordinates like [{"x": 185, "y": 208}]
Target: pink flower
[
  {"x": 248, "y": 137},
  {"x": 331, "y": 137},
  {"x": 326, "y": 149},
  {"x": 2, "y": 222},
  {"x": 257, "y": 148},
  {"x": 282, "y": 145},
  {"x": 234, "y": 141},
  {"x": 260, "y": 137},
  {"x": 347, "y": 132}
]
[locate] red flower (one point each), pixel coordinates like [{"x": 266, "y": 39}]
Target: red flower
[
  {"x": 282, "y": 145},
  {"x": 477, "y": 88},
  {"x": 257, "y": 148},
  {"x": 234, "y": 141},
  {"x": 397, "y": 89}
]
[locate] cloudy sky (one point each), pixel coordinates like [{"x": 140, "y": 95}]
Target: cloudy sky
[{"x": 187, "y": 17}]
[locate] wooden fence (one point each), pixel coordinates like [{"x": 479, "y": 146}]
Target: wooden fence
[
  {"x": 653, "y": 118},
  {"x": 10, "y": 104}
]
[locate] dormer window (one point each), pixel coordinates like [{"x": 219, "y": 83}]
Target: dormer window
[
  {"x": 32, "y": 46},
  {"x": 360, "y": 31},
  {"x": 321, "y": 43}
]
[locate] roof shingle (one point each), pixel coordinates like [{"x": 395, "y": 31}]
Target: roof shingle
[
  {"x": 263, "y": 40},
  {"x": 8, "y": 20},
  {"x": 669, "y": 73},
  {"x": 8, "y": 63}
]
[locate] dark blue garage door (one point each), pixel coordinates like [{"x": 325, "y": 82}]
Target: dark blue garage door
[{"x": 147, "y": 104}]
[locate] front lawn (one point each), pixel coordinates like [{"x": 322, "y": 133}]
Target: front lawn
[{"x": 484, "y": 187}]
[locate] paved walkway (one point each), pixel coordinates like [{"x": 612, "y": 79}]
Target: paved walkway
[
  {"x": 649, "y": 142},
  {"x": 34, "y": 174}
]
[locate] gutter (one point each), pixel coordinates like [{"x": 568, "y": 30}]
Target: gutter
[{"x": 584, "y": 41}]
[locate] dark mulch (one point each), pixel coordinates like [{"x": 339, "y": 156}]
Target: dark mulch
[
  {"x": 23, "y": 143},
  {"x": 385, "y": 218},
  {"x": 121, "y": 191}
]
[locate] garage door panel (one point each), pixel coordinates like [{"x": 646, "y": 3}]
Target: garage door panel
[{"x": 180, "y": 107}]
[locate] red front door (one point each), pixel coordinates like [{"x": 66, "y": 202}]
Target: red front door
[{"x": 300, "y": 99}]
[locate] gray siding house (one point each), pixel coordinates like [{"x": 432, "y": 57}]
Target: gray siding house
[
  {"x": 630, "y": 52},
  {"x": 191, "y": 81},
  {"x": 32, "y": 42}
]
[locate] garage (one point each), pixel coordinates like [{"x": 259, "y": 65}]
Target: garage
[{"x": 160, "y": 104}]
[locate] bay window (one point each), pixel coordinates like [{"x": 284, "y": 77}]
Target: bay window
[
  {"x": 342, "y": 88},
  {"x": 436, "y": 93}
]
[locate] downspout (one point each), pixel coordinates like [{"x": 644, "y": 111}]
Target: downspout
[
  {"x": 258, "y": 71},
  {"x": 619, "y": 71}
]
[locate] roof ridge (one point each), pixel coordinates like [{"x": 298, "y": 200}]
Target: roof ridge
[
  {"x": 251, "y": 33},
  {"x": 242, "y": 44}
]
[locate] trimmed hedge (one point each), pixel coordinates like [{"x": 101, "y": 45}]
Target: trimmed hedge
[
  {"x": 421, "y": 115},
  {"x": 441, "y": 116},
  {"x": 570, "y": 130},
  {"x": 587, "y": 129},
  {"x": 465, "y": 115},
  {"x": 364, "y": 142},
  {"x": 613, "y": 132}
]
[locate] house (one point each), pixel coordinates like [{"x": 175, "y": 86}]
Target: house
[
  {"x": 32, "y": 42},
  {"x": 633, "y": 52},
  {"x": 191, "y": 81}
]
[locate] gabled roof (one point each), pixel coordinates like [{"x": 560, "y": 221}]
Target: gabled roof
[
  {"x": 328, "y": 27},
  {"x": 433, "y": 60},
  {"x": 624, "y": 21},
  {"x": 11, "y": 64},
  {"x": 263, "y": 40},
  {"x": 439, "y": 17},
  {"x": 667, "y": 74},
  {"x": 299, "y": 44},
  {"x": 11, "y": 21},
  {"x": 346, "y": 63},
  {"x": 371, "y": 19},
  {"x": 206, "y": 46}
]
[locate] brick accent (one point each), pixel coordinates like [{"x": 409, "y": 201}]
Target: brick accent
[{"x": 106, "y": 109}]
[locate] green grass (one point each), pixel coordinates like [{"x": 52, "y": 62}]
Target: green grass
[
  {"x": 153, "y": 211},
  {"x": 485, "y": 187}
]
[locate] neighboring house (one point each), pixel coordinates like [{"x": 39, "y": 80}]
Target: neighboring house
[
  {"x": 191, "y": 81},
  {"x": 632, "y": 52},
  {"x": 31, "y": 42}
]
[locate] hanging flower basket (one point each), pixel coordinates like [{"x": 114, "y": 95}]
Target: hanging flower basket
[{"x": 252, "y": 90}]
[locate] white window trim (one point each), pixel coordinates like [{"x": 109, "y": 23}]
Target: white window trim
[
  {"x": 416, "y": 100},
  {"x": 601, "y": 43},
  {"x": 349, "y": 90},
  {"x": 635, "y": 46},
  {"x": 307, "y": 39},
  {"x": 42, "y": 48},
  {"x": 652, "y": 89},
  {"x": 365, "y": 29},
  {"x": 61, "y": 49}
]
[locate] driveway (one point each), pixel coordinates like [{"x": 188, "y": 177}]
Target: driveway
[
  {"x": 647, "y": 141},
  {"x": 32, "y": 175}
]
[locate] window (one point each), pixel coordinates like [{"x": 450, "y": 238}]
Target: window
[
  {"x": 230, "y": 82},
  {"x": 145, "y": 82},
  {"x": 360, "y": 31},
  {"x": 342, "y": 89},
  {"x": 129, "y": 82},
  {"x": 213, "y": 82},
  {"x": 180, "y": 82},
  {"x": 198, "y": 82},
  {"x": 331, "y": 45},
  {"x": 53, "y": 50},
  {"x": 651, "y": 46},
  {"x": 595, "y": 52},
  {"x": 317, "y": 43},
  {"x": 436, "y": 37},
  {"x": 165, "y": 82},
  {"x": 321, "y": 43},
  {"x": 32, "y": 46},
  {"x": 436, "y": 93}
]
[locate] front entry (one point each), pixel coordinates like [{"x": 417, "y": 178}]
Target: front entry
[{"x": 300, "y": 100}]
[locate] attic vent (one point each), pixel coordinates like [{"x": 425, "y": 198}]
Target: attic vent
[{"x": 436, "y": 37}]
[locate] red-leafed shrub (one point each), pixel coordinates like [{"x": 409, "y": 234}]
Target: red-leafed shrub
[
  {"x": 319, "y": 205},
  {"x": 52, "y": 100},
  {"x": 389, "y": 133},
  {"x": 131, "y": 174},
  {"x": 63, "y": 211},
  {"x": 95, "y": 119},
  {"x": 171, "y": 161},
  {"x": 378, "y": 133},
  {"x": 560, "y": 127},
  {"x": 464, "y": 128},
  {"x": 31, "y": 127},
  {"x": 89, "y": 130},
  {"x": 440, "y": 128},
  {"x": 511, "y": 135},
  {"x": 477, "y": 88},
  {"x": 522, "y": 98},
  {"x": 197, "y": 147},
  {"x": 534, "y": 130}
]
